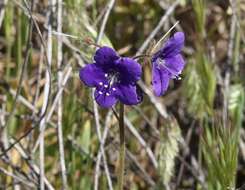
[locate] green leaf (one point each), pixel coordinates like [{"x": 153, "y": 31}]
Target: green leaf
[{"x": 86, "y": 136}]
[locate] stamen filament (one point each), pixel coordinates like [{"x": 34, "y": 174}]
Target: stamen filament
[{"x": 162, "y": 63}]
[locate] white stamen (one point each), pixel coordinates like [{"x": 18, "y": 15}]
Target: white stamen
[
  {"x": 162, "y": 62},
  {"x": 107, "y": 94},
  {"x": 178, "y": 78},
  {"x": 106, "y": 75},
  {"x": 106, "y": 86},
  {"x": 114, "y": 89},
  {"x": 100, "y": 92},
  {"x": 100, "y": 83}
]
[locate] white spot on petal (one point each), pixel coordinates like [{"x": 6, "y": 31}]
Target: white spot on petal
[
  {"x": 106, "y": 75},
  {"x": 107, "y": 94},
  {"x": 106, "y": 86},
  {"x": 100, "y": 92},
  {"x": 100, "y": 83},
  {"x": 114, "y": 89}
]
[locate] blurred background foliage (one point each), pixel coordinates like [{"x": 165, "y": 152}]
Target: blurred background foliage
[{"x": 201, "y": 145}]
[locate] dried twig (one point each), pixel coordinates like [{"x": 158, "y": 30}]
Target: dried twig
[
  {"x": 17, "y": 178},
  {"x": 104, "y": 21},
  {"x": 185, "y": 153},
  {"x": 139, "y": 138},
  {"x": 55, "y": 102},
  {"x": 157, "y": 28},
  {"x": 28, "y": 12},
  {"x": 24, "y": 101},
  {"x": 3, "y": 129},
  {"x": 195, "y": 173},
  {"x": 230, "y": 54},
  {"x": 39, "y": 75},
  {"x": 60, "y": 74},
  {"x": 101, "y": 153},
  {"x": 95, "y": 107},
  {"x": 2, "y": 11},
  {"x": 31, "y": 164},
  {"x": 47, "y": 88},
  {"x": 144, "y": 174},
  {"x": 141, "y": 141},
  {"x": 24, "y": 65}
]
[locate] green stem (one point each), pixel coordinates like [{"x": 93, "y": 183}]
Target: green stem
[
  {"x": 19, "y": 42},
  {"x": 122, "y": 148}
]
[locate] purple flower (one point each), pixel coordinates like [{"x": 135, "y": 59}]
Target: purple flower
[
  {"x": 114, "y": 78},
  {"x": 167, "y": 63}
]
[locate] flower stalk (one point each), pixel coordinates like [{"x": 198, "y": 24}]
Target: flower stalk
[{"x": 122, "y": 148}]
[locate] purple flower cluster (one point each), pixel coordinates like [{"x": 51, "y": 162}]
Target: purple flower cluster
[{"x": 115, "y": 77}]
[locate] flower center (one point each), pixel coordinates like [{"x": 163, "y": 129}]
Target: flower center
[
  {"x": 162, "y": 63},
  {"x": 107, "y": 87},
  {"x": 112, "y": 78}
]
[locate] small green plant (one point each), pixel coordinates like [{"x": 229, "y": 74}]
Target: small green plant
[{"x": 220, "y": 144}]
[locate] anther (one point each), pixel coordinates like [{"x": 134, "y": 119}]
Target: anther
[
  {"x": 106, "y": 75},
  {"x": 106, "y": 86},
  {"x": 107, "y": 94},
  {"x": 114, "y": 89},
  {"x": 178, "y": 78},
  {"x": 100, "y": 92},
  {"x": 100, "y": 83}
]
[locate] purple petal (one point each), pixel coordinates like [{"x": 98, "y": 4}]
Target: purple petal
[
  {"x": 175, "y": 64},
  {"x": 128, "y": 94},
  {"x": 173, "y": 46},
  {"x": 104, "y": 98},
  {"x": 92, "y": 75},
  {"x": 160, "y": 80},
  {"x": 105, "y": 57},
  {"x": 130, "y": 70}
]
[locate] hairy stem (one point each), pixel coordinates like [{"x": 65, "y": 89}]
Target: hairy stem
[{"x": 122, "y": 148}]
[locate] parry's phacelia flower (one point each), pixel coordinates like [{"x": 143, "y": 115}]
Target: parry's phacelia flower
[
  {"x": 114, "y": 78},
  {"x": 167, "y": 63}
]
